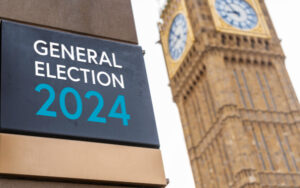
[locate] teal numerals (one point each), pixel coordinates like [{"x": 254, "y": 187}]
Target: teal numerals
[
  {"x": 62, "y": 103},
  {"x": 120, "y": 101},
  {"x": 118, "y": 110},
  {"x": 43, "y": 111},
  {"x": 94, "y": 116}
]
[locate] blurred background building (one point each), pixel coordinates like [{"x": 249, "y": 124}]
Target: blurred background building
[{"x": 239, "y": 112}]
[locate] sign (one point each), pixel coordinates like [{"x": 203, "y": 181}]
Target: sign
[{"x": 66, "y": 85}]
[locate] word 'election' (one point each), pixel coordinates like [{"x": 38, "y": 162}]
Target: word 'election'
[{"x": 74, "y": 73}]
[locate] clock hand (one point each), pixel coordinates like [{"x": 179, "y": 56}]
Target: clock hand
[
  {"x": 232, "y": 9},
  {"x": 234, "y": 12},
  {"x": 228, "y": 4},
  {"x": 178, "y": 41},
  {"x": 237, "y": 13}
]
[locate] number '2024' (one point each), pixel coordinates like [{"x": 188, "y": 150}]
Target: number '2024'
[{"x": 94, "y": 117}]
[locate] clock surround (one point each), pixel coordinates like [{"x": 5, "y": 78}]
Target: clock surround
[
  {"x": 177, "y": 36},
  {"x": 237, "y": 13},
  {"x": 173, "y": 64},
  {"x": 260, "y": 30}
]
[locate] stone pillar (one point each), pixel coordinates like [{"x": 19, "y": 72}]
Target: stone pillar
[{"x": 235, "y": 137}]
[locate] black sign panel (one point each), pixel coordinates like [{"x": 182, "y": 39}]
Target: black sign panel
[{"x": 66, "y": 85}]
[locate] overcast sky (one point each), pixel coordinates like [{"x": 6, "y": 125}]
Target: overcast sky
[{"x": 285, "y": 15}]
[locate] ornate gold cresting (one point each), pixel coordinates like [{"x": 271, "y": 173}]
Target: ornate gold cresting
[
  {"x": 173, "y": 65},
  {"x": 261, "y": 29}
]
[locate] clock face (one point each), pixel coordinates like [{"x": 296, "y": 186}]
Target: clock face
[
  {"x": 237, "y": 13},
  {"x": 177, "y": 36}
]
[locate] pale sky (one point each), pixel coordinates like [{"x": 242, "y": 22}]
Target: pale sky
[{"x": 285, "y": 15}]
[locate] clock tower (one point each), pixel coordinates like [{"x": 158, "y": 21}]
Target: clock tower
[{"x": 238, "y": 108}]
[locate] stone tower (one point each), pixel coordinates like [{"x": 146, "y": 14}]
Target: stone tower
[{"x": 238, "y": 108}]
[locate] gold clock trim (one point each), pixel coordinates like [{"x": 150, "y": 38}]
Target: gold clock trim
[
  {"x": 173, "y": 65},
  {"x": 260, "y": 30}
]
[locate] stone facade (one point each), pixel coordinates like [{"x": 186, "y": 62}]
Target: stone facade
[{"x": 239, "y": 111}]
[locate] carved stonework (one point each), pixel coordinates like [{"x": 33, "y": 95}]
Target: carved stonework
[{"x": 239, "y": 111}]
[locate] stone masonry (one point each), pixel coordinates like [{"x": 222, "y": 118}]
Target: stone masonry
[{"x": 239, "y": 111}]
